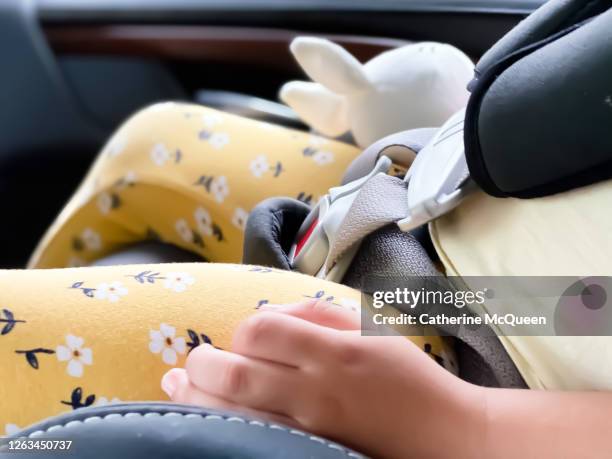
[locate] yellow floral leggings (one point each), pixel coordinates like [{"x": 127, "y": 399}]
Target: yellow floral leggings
[{"x": 184, "y": 174}]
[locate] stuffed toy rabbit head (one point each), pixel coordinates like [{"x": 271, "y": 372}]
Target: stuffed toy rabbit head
[{"x": 414, "y": 86}]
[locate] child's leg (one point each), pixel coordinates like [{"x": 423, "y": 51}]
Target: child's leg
[
  {"x": 189, "y": 175},
  {"x": 75, "y": 337}
]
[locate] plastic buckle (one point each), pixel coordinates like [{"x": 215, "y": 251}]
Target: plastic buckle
[
  {"x": 439, "y": 178},
  {"x": 318, "y": 231}
]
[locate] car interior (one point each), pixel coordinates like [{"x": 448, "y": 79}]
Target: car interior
[
  {"x": 79, "y": 68},
  {"x": 75, "y": 70}
]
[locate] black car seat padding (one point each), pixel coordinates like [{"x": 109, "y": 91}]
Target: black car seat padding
[
  {"x": 538, "y": 121},
  {"x": 150, "y": 430}
]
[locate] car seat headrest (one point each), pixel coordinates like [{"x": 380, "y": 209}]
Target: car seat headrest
[{"x": 539, "y": 117}]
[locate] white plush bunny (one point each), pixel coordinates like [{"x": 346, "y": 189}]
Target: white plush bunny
[{"x": 418, "y": 85}]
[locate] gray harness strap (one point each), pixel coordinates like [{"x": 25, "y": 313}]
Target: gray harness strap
[
  {"x": 382, "y": 200},
  {"x": 389, "y": 256},
  {"x": 358, "y": 235},
  {"x": 401, "y": 148}
]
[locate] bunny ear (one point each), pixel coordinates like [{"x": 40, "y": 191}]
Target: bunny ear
[
  {"x": 323, "y": 110},
  {"x": 329, "y": 64}
]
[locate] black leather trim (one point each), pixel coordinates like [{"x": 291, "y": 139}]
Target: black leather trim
[{"x": 153, "y": 430}]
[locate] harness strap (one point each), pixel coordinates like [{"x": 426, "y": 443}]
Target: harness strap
[
  {"x": 362, "y": 227},
  {"x": 381, "y": 200},
  {"x": 389, "y": 258}
]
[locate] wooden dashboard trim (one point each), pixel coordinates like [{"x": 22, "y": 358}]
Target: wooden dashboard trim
[{"x": 260, "y": 46}]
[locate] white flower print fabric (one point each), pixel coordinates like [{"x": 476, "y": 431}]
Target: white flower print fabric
[
  {"x": 75, "y": 354},
  {"x": 259, "y": 166},
  {"x": 103, "y": 401},
  {"x": 183, "y": 229},
  {"x": 11, "y": 429},
  {"x": 172, "y": 158},
  {"x": 240, "y": 217},
  {"x": 176, "y": 183},
  {"x": 160, "y": 154},
  {"x": 110, "y": 291},
  {"x": 178, "y": 282},
  {"x": 218, "y": 140},
  {"x": 203, "y": 221},
  {"x": 165, "y": 342},
  {"x": 220, "y": 188},
  {"x": 105, "y": 203},
  {"x": 91, "y": 239},
  {"x": 323, "y": 157}
]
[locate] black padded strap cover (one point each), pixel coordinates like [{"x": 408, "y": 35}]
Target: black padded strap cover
[
  {"x": 539, "y": 118},
  {"x": 270, "y": 231}
]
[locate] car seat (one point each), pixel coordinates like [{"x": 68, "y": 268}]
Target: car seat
[{"x": 511, "y": 80}]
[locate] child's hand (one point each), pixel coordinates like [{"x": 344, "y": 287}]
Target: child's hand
[{"x": 306, "y": 365}]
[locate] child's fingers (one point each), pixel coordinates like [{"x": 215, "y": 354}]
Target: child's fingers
[
  {"x": 254, "y": 383},
  {"x": 175, "y": 383},
  {"x": 282, "y": 338},
  {"x": 178, "y": 387},
  {"x": 321, "y": 313}
]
